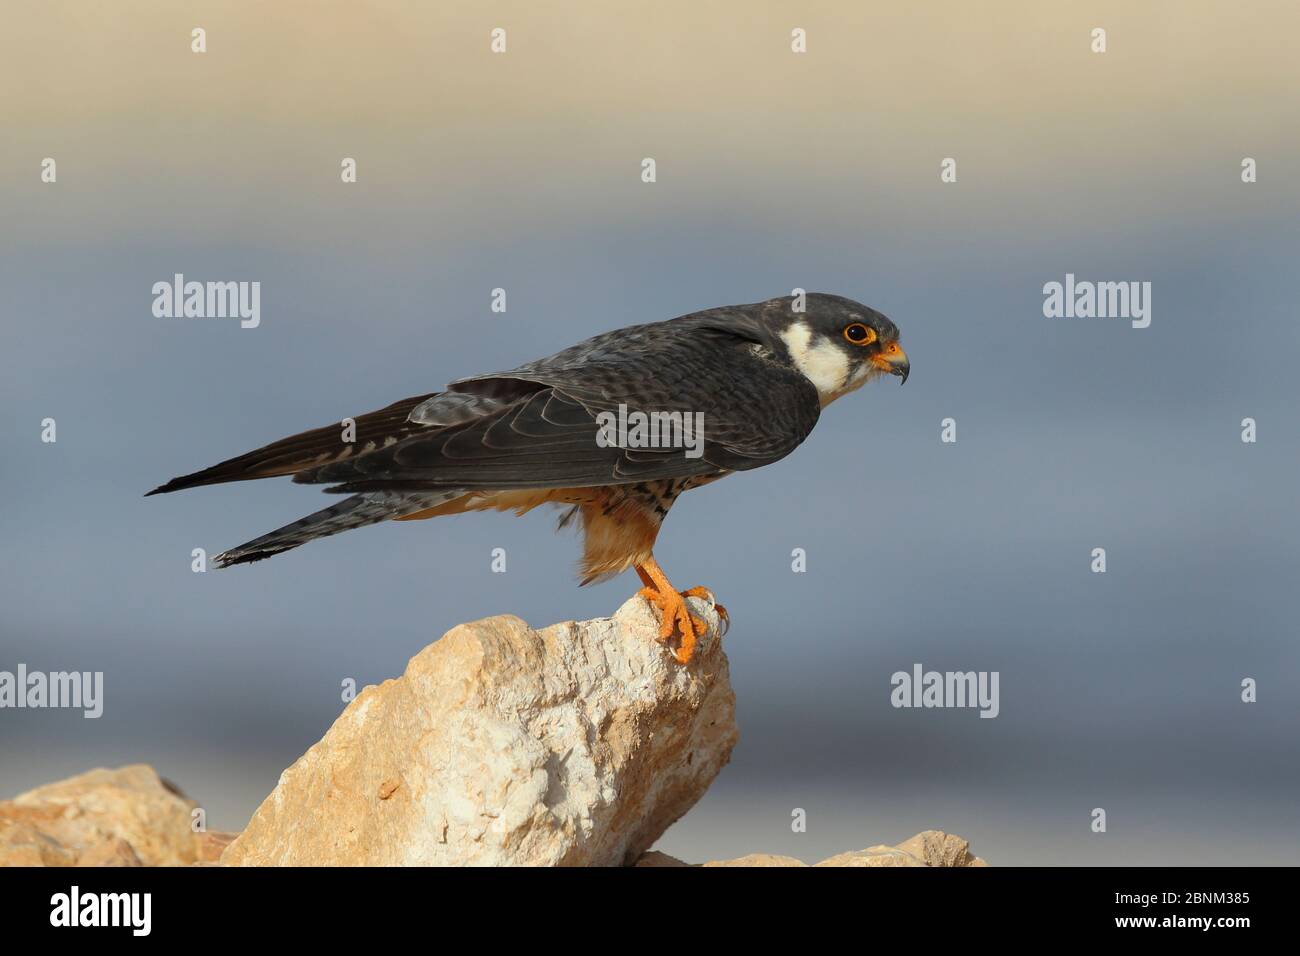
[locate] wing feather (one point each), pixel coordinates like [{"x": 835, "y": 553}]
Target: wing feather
[
  {"x": 307, "y": 449},
  {"x": 755, "y": 411}
]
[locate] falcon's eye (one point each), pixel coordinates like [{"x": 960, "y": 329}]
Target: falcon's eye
[{"x": 860, "y": 334}]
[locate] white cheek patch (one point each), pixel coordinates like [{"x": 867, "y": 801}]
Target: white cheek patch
[
  {"x": 822, "y": 362},
  {"x": 861, "y": 375}
]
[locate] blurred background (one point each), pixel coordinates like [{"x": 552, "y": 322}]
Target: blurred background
[{"x": 775, "y": 170}]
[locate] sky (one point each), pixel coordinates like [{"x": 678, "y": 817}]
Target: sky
[{"x": 1119, "y": 690}]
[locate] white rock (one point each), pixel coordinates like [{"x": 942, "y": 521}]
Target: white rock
[{"x": 579, "y": 744}]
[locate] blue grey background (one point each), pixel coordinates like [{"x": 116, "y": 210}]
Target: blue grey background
[{"x": 1119, "y": 690}]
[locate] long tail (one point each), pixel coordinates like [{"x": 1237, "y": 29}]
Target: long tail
[{"x": 355, "y": 512}]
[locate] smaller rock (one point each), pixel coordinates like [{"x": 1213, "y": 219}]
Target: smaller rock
[
  {"x": 124, "y": 817},
  {"x": 759, "y": 859},
  {"x": 872, "y": 856},
  {"x": 929, "y": 848},
  {"x": 937, "y": 848}
]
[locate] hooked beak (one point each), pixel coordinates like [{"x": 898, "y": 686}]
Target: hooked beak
[{"x": 893, "y": 360}]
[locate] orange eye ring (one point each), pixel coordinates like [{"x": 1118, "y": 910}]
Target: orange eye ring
[{"x": 859, "y": 333}]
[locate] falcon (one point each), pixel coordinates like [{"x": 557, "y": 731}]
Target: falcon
[{"x": 755, "y": 377}]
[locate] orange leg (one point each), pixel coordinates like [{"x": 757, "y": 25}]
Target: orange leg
[{"x": 674, "y": 614}]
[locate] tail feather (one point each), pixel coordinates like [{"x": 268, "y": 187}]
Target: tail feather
[
  {"x": 355, "y": 512},
  {"x": 308, "y": 449}
]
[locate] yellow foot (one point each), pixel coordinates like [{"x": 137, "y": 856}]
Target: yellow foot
[
  {"x": 702, "y": 592},
  {"x": 675, "y": 617}
]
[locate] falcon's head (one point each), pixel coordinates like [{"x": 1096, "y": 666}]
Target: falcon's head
[{"x": 839, "y": 345}]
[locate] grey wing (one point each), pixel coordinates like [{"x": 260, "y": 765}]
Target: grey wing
[{"x": 538, "y": 426}]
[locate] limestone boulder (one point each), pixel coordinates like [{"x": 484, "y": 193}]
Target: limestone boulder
[
  {"x": 129, "y": 816},
  {"x": 575, "y": 745}
]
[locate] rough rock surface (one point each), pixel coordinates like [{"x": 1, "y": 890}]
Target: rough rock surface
[
  {"x": 929, "y": 848},
  {"x": 124, "y": 817},
  {"x": 578, "y": 744}
]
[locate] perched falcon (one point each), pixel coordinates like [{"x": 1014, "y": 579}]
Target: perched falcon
[{"x": 754, "y": 377}]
